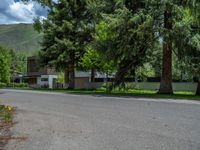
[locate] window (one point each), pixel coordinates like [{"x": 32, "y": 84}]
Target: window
[{"x": 44, "y": 79}]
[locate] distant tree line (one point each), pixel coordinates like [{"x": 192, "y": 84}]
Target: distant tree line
[{"x": 11, "y": 64}]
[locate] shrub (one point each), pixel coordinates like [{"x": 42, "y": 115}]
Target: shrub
[
  {"x": 2, "y": 85},
  {"x": 6, "y": 113},
  {"x": 21, "y": 85}
]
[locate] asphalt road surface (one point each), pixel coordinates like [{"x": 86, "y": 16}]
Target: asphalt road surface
[{"x": 81, "y": 122}]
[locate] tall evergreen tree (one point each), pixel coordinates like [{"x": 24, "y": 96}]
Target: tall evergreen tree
[
  {"x": 166, "y": 15},
  {"x": 193, "y": 56},
  {"x": 159, "y": 17},
  {"x": 189, "y": 50},
  {"x": 67, "y": 30},
  {"x": 130, "y": 34}
]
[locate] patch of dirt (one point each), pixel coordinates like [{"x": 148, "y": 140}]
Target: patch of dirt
[{"x": 4, "y": 134}]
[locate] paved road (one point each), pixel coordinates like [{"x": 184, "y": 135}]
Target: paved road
[{"x": 74, "y": 122}]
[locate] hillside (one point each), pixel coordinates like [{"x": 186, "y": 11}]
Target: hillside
[{"x": 20, "y": 37}]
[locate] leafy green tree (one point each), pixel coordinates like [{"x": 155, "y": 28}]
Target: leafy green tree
[
  {"x": 130, "y": 33},
  {"x": 91, "y": 61},
  {"x": 154, "y": 58},
  {"x": 94, "y": 61},
  {"x": 144, "y": 71},
  {"x": 4, "y": 65},
  {"x": 60, "y": 78},
  {"x": 166, "y": 18},
  {"x": 18, "y": 62},
  {"x": 67, "y": 30},
  {"x": 133, "y": 22}
]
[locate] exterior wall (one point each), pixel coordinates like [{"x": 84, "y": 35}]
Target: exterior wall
[
  {"x": 39, "y": 80},
  {"x": 34, "y": 69},
  {"x": 51, "y": 82},
  {"x": 81, "y": 82},
  {"x": 51, "y": 71},
  {"x": 47, "y": 83},
  {"x": 32, "y": 80},
  {"x": 37, "y": 75},
  {"x": 44, "y": 81}
]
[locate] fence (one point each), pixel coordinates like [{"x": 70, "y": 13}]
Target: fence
[{"x": 177, "y": 86}]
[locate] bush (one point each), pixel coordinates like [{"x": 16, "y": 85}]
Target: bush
[
  {"x": 6, "y": 113},
  {"x": 2, "y": 85},
  {"x": 20, "y": 85},
  {"x": 124, "y": 87}
]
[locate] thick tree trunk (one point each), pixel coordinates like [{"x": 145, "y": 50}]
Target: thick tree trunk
[
  {"x": 71, "y": 76},
  {"x": 198, "y": 89},
  {"x": 72, "y": 71},
  {"x": 133, "y": 74},
  {"x": 66, "y": 78},
  {"x": 166, "y": 80},
  {"x": 93, "y": 70}
]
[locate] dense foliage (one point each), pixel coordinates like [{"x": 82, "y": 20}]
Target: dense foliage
[
  {"x": 129, "y": 29},
  {"x": 18, "y": 63},
  {"x": 67, "y": 30},
  {"x": 5, "y": 61},
  {"x": 128, "y": 33}
]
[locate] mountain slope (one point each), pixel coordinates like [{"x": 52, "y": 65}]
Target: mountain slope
[{"x": 20, "y": 37}]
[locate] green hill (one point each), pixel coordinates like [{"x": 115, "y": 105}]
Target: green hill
[{"x": 20, "y": 37}]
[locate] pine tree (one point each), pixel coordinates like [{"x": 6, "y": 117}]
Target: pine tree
[
  {"x": 144, "y": 17},
  {"x": 67, "y": 30},
  {"x": 129, "y": 35},
  {"x": 189, "y": 50},
  {"x": 166, "y": 15}
]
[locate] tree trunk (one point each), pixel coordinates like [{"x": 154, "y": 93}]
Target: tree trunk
[
  {"x": 133, "y": 74},
  {"x": 71, "y": 76},
  {"x": 93, "y": 70},
  {"x": 72, "y": 71},
  {"x": 166, "y": 80},
  {"x": 66, "y": 77},
  {"x": 198, "y": 89}
]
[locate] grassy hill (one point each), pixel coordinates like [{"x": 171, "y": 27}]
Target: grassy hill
[{"x": 20, "y": 37}]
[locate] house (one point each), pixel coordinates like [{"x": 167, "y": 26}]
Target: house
[
  {"x": 39, "y": 76},
  {"x": 45, "y": 77}
]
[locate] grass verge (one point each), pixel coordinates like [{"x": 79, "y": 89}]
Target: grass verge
[
  {"x": 6, "y": 115},
  {"x": 183, "y": 95}
]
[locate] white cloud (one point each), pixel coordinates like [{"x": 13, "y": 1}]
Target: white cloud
[
  {"x": 18, "y": 12},
  {"x": 21, "y": 11}
]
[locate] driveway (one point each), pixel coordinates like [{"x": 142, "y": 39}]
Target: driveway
[{"x": 80, "y": 122}]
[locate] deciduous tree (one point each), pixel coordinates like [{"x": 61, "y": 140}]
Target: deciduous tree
[{"x": 5, "y": 60}]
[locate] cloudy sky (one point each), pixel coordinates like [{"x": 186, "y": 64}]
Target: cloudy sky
[{"x": 14, "y": 11}]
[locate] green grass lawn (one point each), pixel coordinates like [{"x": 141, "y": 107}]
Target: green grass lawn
[{"x": 130, "y": 93}]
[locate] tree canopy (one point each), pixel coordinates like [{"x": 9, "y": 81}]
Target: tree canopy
[
  {"x": 125, "y": 32},
  {"x": 67, "y": 30},
  {"x": 5, "y": 61}
]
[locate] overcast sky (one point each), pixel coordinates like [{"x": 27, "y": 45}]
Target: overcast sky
[{"x": 14, "y": 11}]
